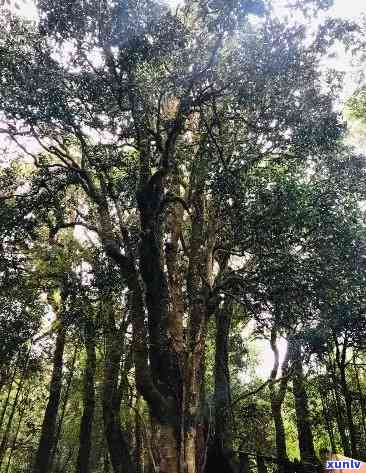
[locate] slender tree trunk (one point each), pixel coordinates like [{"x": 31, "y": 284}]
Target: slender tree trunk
[
  {"x": 139, "y": 434},
  {"x": 340, "y": 423},
  {"x": 13, "y": 445},
  {"x": 305, "y": 435},
  {"x": 361, "y": 396},
  {"x": 223, "y": 420},
  {"x": 116, "y": 440},
  {"x": 193, "y": 387},
  {"x": 203, "y": 425},
  {"x": 339, "y": 410},
  {"x": 349, "y": 412},
  {"x": 280, "y": 434},
  {"x": 200, "y": 311},
  {"x": 62, "y": 468},
  {"x": 261, "y": 464},
  {"x": 341, "y": 361},
  {"x": 4, "y": 441},
  {"x": 277, "y": 398},
  {"x": 83, "y": 459},
  {"x": 106, "y": 464},
  {"x": 63, "y": 410},
  {"x": 244, "y": 464},
  {"x": 327, "y": 419},
  {"x": 46, "y": 442},
  {"x": 5, "y": 405},
  {"x": 6, "y": 402}
]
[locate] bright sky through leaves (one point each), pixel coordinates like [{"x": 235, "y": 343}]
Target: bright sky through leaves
[{"x": 343, "y": 8}]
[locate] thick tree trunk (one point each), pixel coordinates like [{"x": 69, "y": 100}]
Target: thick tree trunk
[
  {"x": 46, "y": 442},
  {"x": 86, "y": 424},
  {"x": 156, "y": 363},
  {"x": 168, "y": 363},
  {"x": 305, "y": 435},
  {"x": 164, "y": 328},
  {"x": 277, "y": 398}
]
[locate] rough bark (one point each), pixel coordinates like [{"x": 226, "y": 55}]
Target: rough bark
[
  {"x": 168, "y": 449},
  {"x": 127, "y": 265},
  {"x": 85, "y": 441}
]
